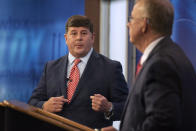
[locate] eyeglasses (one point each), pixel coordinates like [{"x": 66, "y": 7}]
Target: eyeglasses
[{"x": 131, "y": 18}]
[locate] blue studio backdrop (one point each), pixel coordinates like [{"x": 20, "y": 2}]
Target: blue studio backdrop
[
  {"x": 31, "y": 33},
  {"x": 184, "y": 29}
]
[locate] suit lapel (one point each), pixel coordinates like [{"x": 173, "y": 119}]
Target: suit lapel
[
  {"x": 124, "y": 110},
  {"x": 127, "y": 101},
  {"x": 63, "y": 75}
]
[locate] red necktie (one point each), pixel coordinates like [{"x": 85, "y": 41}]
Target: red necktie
[
  {"x": 139, "y": 66},
  {"x": 73, "y": 80}
]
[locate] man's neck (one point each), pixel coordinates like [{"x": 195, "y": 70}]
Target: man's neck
[{"x": 147, "y": 40}]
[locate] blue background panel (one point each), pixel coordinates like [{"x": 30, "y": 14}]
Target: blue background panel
[
  {"x": 184, "y": 29},
  {"x": 31, "y": 33}
]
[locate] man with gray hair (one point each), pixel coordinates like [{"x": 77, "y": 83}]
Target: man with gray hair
[{"x": 162, "y": 97}]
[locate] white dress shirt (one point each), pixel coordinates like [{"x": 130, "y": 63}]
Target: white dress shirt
[
  {"x": 149, "y": 49},
  {"x": 81, "y": 65}
]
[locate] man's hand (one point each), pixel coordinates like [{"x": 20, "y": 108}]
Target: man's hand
[
  {"x": 100, "y": 103},
  {"x": 109, "y": 128},
  {"x": 54, "y": 104}
]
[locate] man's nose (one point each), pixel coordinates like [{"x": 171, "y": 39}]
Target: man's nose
[
  {"x": 79, "y": 36},
  {"x": 128, "y": 24}
]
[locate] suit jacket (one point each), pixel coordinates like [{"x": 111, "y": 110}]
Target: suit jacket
[
  {"x": 162, "y": 97},
  {"x": 101, "y": 76}
]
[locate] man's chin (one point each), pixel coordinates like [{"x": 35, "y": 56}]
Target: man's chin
[
  {"x": 131, "y": 40},
  {"x": 81, "y": 53}
]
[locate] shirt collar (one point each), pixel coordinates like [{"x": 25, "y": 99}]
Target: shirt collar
[
  {"x": 149, "y": 48},
  {"x": 84, "y": 59}
]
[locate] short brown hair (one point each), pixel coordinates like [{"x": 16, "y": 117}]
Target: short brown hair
[
  {"x": 160, "y": 14},
  {"x": 79, "y": 21}
]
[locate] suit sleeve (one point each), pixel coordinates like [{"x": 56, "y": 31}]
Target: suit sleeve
[
  {"x": 39, "y": 95},
  {"x": 118, "y": 91},
  {"x": 162, "y": 98}
]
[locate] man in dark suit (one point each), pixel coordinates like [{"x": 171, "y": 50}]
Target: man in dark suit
[
  {"x": 99, "y": 96},
  {"x": 162, "y": 97}
]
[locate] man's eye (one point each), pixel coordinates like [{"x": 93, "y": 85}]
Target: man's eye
[
  {"x": 84, "y": 33},
  {"x": 73, "y": 33}
]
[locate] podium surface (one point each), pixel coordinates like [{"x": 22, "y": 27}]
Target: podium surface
[{"x": 16, "y": 115}]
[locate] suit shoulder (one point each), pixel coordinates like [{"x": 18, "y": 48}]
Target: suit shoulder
[
  {"x": 107, "y": 60},
  {"x": 56, "y": 62}
]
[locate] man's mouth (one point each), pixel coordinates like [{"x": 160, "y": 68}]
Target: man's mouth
[{"x": 78, "y": 45}]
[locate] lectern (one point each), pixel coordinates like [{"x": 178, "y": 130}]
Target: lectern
[
  {"x": 2, "y": 116},
  {"x": 18, "y": 116}
]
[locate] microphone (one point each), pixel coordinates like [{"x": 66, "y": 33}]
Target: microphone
[{"x": 68, "y": 79}]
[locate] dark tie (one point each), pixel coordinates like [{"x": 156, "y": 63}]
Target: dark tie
[
  {"x": 73, "y": 80},
  {"x": 139, "y": 67}
]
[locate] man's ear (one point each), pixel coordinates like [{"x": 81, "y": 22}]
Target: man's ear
[
  {"x": 145, "y": 25},
  {"x": 65, "y": 35},
  {"x": 93, "y": 36}
]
